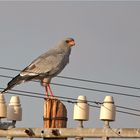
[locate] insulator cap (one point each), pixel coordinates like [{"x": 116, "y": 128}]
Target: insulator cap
[
  {"x": 108, "y": 109},
  {"x": 81, "y": 109},
  {"x": 3, "y": 107},
  {"x": 14, "y": 111}
]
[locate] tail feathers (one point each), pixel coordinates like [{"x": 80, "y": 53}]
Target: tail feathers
[
  {"x": 18, "y": 80},
  {"x": 15, "y": 81}
]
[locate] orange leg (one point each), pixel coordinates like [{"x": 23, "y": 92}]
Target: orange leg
[
  {"x": 46, "y": 91},
  {"x": 49, "y": 88}
]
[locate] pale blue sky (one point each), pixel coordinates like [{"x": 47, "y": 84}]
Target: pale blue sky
[{"x": 107, "y": 36}]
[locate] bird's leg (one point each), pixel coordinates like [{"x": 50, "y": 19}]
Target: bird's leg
[
  {"x": 49, "y": 88},
  {"x": 46, "y": 91}
]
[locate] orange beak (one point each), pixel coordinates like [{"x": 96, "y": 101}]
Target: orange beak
[{"x": 71, "y": 43}]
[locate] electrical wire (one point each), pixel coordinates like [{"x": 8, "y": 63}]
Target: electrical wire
[
  {"x": 123, "y": 107},
  {"x": 71, "y": 86},
  {"x": 124, "y": 112},
  {"x": 97, "y": 90},
  {"x": 42, "y": 95},
  {"x": 36, "y": 96},
  {"x": 84, "y": 88},
  {"x": 69, "y": 100},
  {"x": 99, "y": 82},
  {"x": 83, "y": 80},
  {"x": 62, "y": 97},
  {"x": 134, "y": 114}
]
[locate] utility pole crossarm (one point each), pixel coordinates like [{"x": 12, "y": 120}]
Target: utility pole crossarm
[{"x": 72, "y": 132}]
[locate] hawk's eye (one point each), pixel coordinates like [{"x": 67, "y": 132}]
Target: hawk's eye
[{"x": 67, "y": 41}]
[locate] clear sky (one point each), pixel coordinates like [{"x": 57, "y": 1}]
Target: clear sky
[{"x": 107, "y": 49}]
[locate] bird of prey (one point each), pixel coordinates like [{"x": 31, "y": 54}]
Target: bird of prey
[{"x": 46, "y": 66}]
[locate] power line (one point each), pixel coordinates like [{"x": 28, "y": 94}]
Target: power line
[
  {"x": 97, "y": 90},
  {"x": 74, "y": 87},
  {"x": 124, "y": 112},
  {"x": 85, "y": 88},
  {"x": 83, "y": 80},
  {"x": 10, "y": 69},
  {"x": 99, "y": 82},
  {"x": 40, "y": 97},
  {"x": 123, "y": 107},
  {"x": 129, "y": 113},
  {"x": 70, "y": 100}
]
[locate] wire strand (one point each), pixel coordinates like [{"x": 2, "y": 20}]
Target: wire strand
[
  {"x": 78, "y": 87},
  {"x": 84, "y": 88},
  {"x": 70, "y": 100},
  {"x": 40, "y": 97},
  {"x": 39, "y": 94},
  {"x": 123, "y": 107},
  {"x": 134, "y": 114},
  {"x": 83, "y": 80}
]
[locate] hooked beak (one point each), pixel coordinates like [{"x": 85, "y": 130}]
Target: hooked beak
[{"x": 71, "y": 43}]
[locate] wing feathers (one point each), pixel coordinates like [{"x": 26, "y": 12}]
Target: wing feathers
[{"x": 42, "y": 65}]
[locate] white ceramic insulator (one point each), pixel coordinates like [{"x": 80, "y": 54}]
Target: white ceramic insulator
[
  {"x": 108, "y": 109},
  {"x": 81, "y": 109},
  {"x": 3, "y": 107},
  {"x": 14, "y": 111}
]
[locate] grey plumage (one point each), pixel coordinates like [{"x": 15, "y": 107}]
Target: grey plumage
[{"x": 46, "y": 66}]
